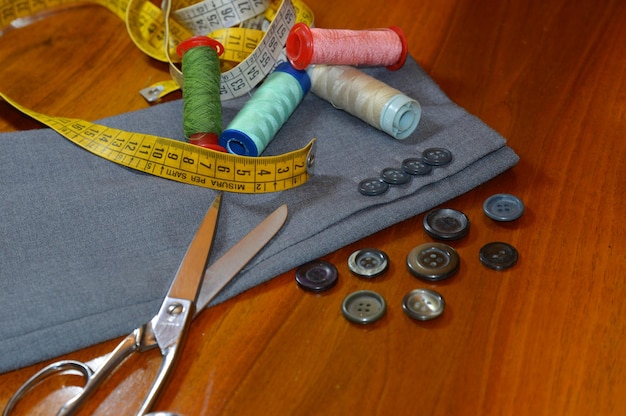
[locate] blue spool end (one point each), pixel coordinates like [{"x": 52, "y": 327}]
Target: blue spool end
[{"x": 238, "y": 142}]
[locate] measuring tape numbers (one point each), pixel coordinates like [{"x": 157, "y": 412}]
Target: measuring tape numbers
[
  {"x": 181, "y": 161},
  {"x": 252, "y": 52},
  {"x": 210, "y": 15},
  {"x": 267, "y": 52}
]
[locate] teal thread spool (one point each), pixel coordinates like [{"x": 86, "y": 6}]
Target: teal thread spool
[
  {"x": 256, "y": 124},
  {"x": 202, "y": 107}
]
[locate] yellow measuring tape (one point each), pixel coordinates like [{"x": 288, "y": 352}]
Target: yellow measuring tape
[
  {"x": 183, "y": 162},
  {"x": 252, "y": 51}
]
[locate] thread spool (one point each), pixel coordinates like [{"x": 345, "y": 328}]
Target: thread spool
[
  {"x": 378, "y": 47},
  {"x": 367, "y": 98},
  {"x": 256, "y": 124},
  {"x": 202, "y": 107}
]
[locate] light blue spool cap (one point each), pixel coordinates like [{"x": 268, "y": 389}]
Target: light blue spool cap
[
  {"x": 237, "y": 141},
  {"x": 400, "y": 116}
]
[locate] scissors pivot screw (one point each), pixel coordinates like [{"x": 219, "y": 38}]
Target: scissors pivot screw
[{"x": 175, "y": 309}]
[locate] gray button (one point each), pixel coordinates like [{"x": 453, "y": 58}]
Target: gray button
[
  {"x": 316, "y": 276},
  {"x": 363, "y": 307},
  {"x": 498, "y": 255},
  {"x": 503, "y": 207},
  {"x": 433, "y": 261},
  {"x": 416, "y": 166},
  {"x": 395, "y": 176},
  {"x": 373, "y": 186},
  {"x": 368, "y": 262},
  {"x": 423, "y": 304},
  {"x": 437, "y": 156},
  {"x": 446, "y": 224}
]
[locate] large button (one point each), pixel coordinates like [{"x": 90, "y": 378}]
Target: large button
[
  {"x": 316, "y": 276},
  {"x": 498, "y": 255},
  {"x": 368, "y": 262},
  {"x": 416, "y": 166},
  {"x": 433, "y": 261},
  {"x": 373, "y": 186},
  {"x": 446, "y": 224},
  {"x": 503, "y": 207},
  {"x": 437, "y": 156},
  {"x": 363, "y": 307},
  {"x": 423, "y": 304},
  {"x": 395, "y": 176}
]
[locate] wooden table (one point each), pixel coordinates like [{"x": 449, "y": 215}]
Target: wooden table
[{"x": 545, "y": 337}]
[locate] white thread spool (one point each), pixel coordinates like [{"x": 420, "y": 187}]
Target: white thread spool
[{"x": 367, "y": 98}]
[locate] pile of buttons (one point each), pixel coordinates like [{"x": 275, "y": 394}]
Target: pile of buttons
[
  {"x": 430, "y": 262},
  {"x": 414, "y": 166}
]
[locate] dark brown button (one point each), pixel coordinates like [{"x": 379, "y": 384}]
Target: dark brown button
[
  {"x": 498, "y": 255},
  {"x": 446, "y": 224},
  {"x": 433, "y": 261}
]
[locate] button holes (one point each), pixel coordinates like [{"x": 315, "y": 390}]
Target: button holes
[
  {"x": 504, "y": 207},
  {"x": 423, "y": 305},
  {"x": 364, "y": 307},
  {"x": 433, "y": 260},
  {"x": 499, "y": 254}
]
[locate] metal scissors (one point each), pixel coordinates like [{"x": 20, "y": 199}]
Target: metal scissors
[{"x": 187, "y": 296}]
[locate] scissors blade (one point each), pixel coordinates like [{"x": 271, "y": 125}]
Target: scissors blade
[
  {"x": 226, "y": 267},
  {"x": 191, "y": 271}
]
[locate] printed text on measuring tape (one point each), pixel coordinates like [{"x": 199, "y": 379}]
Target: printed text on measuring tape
[{"x": 183, "y": 162}]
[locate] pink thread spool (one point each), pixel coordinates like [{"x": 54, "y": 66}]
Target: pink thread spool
[{"x": 376, "y": 47}]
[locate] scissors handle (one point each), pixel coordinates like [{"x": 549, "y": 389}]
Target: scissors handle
[
  {"x": 55, "y": 368},
  {"x": 93, "y": 378}
]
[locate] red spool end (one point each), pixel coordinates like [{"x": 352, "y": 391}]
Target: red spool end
[
  {"x": 299, "y": 46},
  {"x": 405, "y": 49},
  {"x": 207, "y": 140},
  {"x": 196, "y": 41}
]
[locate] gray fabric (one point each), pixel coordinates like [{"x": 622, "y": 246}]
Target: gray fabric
[{"x": 88, "y": 248}]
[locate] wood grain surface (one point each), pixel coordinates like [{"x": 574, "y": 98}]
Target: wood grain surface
[{"x": 547, "y": 337}]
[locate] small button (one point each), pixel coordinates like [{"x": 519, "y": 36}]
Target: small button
[
  {"x": 368, "y": 262},
  {"x": 373, "y": 186},
  {"x": 433, "y": 261},
  {"x": 446, "y": 224},
  {"x": 363, "y": 307},
  {"x": 316, "y": 276},
  {"x": 498, "y": 256},
  {"x": 437, "y": 156},
  {"x": 503, "y": 207},
  {"x": 395, "y": 176},
  {"x": 416, "y": 166},
  {"x": 423, "y": 304}
]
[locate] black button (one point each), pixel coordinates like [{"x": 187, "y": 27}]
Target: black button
[
  {"x": 498, "y": 256},
  {"x": 368, "y": 262},
  {"x": 503, "y": 207},
  {"x": 373, "y": 186},
  {"x": 395, "y": 176},
  {"x": 433, "y": 261},
  {"x": 316, "y": 276},
  {"x": 423, "y": 304},
  {"x": 363, "y": 307},
  {"x": 416, "y": 166},
  {"x": 446, "y": 224},
  {"x": 437, "y": 156}
]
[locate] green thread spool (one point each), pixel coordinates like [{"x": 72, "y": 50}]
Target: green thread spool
[
  {"x": 202, "y": 106},
  {"x": 256, "y": 124}
]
